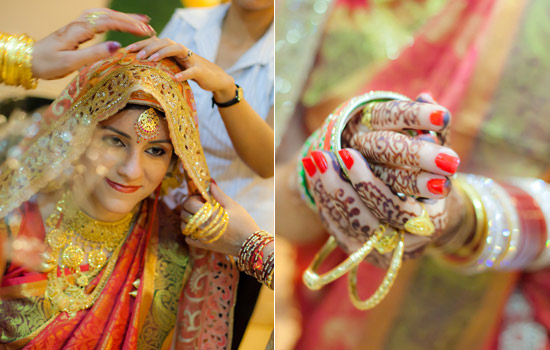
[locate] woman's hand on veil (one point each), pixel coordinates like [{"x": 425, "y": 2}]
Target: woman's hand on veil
[
  {"x": 207, "y": 75},
  {"x": 381, "y": 162},
  {"x": 240, "y": 227},
  {"x": 57, "y": 55}
]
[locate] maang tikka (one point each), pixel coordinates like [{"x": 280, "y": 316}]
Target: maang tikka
[{"x": 148, "y": 125}]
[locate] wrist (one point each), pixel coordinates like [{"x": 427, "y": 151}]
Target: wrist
[{"x": 226, "y": 92}]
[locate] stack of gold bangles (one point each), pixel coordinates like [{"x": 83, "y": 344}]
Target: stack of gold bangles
[
  {"x": 15, "y": 60},
  {"x": 208, "y": 224},
  {"x": 507, "y": 228},
  {"x": 251, "y": 258}
]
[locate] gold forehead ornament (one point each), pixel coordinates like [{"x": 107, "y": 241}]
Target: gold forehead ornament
[{"x": 147, "y": 125}]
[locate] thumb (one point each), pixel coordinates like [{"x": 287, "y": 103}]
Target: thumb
[
  {"x": 188, "y": 74},
  {"x": 220, "y": 196},
  {"x": 82, "y": 57}
]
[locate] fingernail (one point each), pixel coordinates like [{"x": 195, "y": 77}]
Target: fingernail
[
  {"x": 320, "y": 161},
  {"x": 214, "y": 182},
  {"x": 131, "y": 47},
  {"x": 309, "y": 166},
  {"x": 154, "y": 57},
  {"x": 152, "y": 30},
  {"x": 140, "y": 55},
  {"x": 178, "y": 76},
  {"x": 346, "y": 158},
  {"x": 436, "y": 118},
  {"x": 438, "y": 186},
  {"x": 113, "y": 46},
  {"x": 145, "y": 17},
  {"x": 447, "y": 162}
]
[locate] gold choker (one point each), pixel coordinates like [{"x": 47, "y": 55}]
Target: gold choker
[{"x": 76, "y": 239}]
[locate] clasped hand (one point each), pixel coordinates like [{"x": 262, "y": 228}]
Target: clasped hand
[{"x": 401, "y": 159}]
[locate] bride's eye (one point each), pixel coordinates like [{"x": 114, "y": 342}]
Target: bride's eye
[
  {"x": 156, "y": 151},
  {"x": 114, "y": 141}
]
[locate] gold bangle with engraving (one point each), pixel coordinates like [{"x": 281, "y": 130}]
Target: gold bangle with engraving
[
  {"x": 386, "y": 284},
  {"x": 315, "y": 281}
]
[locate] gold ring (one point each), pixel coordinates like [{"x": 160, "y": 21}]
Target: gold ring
[
  {"x": 386, "y": 284},
  {"x": 93, "y": 16},
  {"x": 366, "y": 119},
  {"x": 315, "y": 281},
  {"x": 189, "y": 54}
]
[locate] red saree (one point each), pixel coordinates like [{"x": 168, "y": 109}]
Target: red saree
[{"x": 155, "y": 254}]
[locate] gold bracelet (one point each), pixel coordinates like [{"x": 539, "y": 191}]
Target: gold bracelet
[
  {"x": 386, "y": 284},
  {"x": 315, "y": 281},
  {"x": 201, "y": 233},
  {"x": 198, "y": 219},
  {"x": 471, "y": 250},
  {"x": 16, "y": 60},
  {"x": 223, "y": 223}
]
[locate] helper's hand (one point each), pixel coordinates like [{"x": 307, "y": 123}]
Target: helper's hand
[
  {"x": 57, "y": 55},
  {"x": 206, "y": 74},
  {"x": 240, "y": 227}
]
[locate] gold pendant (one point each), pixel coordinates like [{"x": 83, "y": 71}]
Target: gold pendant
[
  {"x": 96, "y": 259},
  {"x": 56, "y": 238},
  {"x": 420, "y": 225},
  {"x": 73, "y": 256}
]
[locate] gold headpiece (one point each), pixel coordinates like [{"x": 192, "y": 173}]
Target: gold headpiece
[{"x": 147, "y": 125}]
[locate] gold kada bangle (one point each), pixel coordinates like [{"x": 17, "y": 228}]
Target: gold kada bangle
[
  {"x": 386, "y": 284},
  {"x": 315, "y": 281},
  {"x": 469, "y": 251},
  {"x": 16, "y": 60}
]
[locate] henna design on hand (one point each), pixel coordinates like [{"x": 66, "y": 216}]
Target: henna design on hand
[
  {"x": 353, "y": 127},
  {"x": 388, "y": 147},
  {"x": 399, "y": 180},
  {"x": 351, "y": 214},
  {"x": 395, "y": 113},
  {"x": 381, "y": 206}
]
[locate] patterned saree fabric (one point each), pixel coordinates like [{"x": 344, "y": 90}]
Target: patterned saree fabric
[{"x": 157, "y": 288}]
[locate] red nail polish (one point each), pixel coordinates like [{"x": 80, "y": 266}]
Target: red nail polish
[
  {"x": 214, "y": 182},
  {"x": 447, "y": 162},
  {"x": 436, "y": 186},
  {"x": 346, "y": 158},
  {"x": 437, "y": 118},
  {"x": 309, "y": 166},
  {"x": 320, "y": 161}
]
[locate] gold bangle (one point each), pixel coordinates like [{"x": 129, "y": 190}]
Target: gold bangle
[
  {"x": 315, "y": 281},
  {"x": 16, "y": 60},
  {"x": 386, "y": 284},
  {"x": 198, "y": 219},
  {"x": 474, "y": 248},
  {"x": 221, "y": 231},
  {"x": 201, "y": 233}
]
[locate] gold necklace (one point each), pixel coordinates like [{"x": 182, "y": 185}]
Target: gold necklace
[{"x": 75, "y": 238}]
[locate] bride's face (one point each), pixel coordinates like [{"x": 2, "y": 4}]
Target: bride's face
[{"x": 116, "y": 171}]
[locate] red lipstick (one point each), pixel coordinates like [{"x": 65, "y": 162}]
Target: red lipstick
[{"x": 122, "y": 188}]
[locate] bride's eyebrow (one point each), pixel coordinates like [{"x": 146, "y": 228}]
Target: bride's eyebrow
[
  {"x": 117, "y": 131},
  {"x": 161, "y": 141}
]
